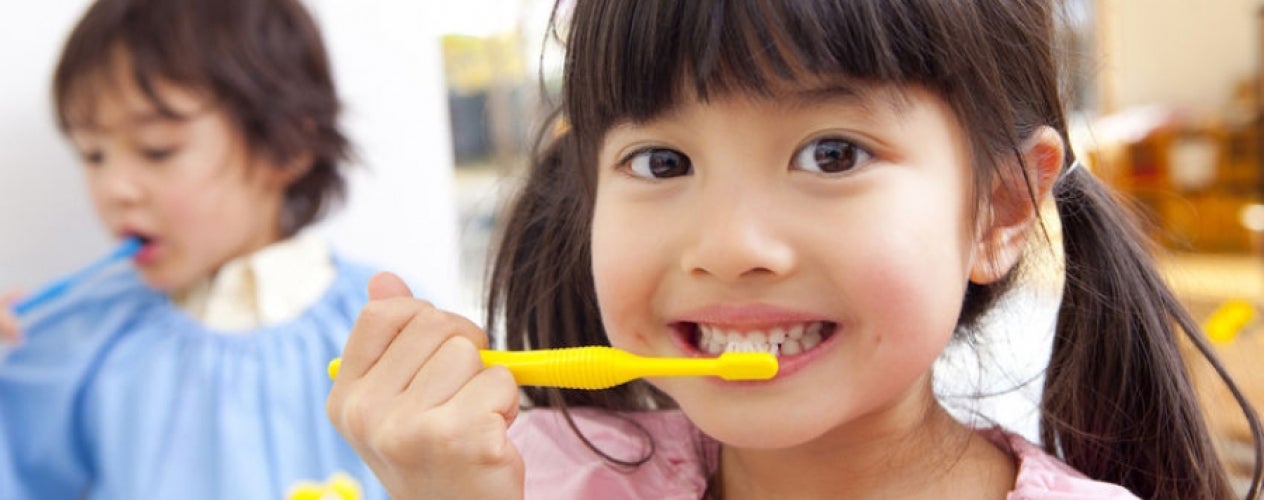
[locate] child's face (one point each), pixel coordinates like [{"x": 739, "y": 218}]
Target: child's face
[
  {"x": 839, "y": 225},
  {"x": 188, "y": 186}
]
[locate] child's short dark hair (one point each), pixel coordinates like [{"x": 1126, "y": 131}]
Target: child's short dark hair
[{"x": 262, "y": 61}]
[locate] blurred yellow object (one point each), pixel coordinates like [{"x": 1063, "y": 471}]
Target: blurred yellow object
[
  {"x": 340, "y": 486},
  {"x": 601, "y": 367},
  {"x": 333, "y": 368},
  {"x": 1224, "y": 325}
]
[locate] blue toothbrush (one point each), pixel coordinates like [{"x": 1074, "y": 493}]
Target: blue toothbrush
[{"x": 126, "y": 250}]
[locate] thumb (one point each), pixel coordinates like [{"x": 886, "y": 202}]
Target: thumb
[
  {"x": 386, "y": 285},
  {"x": 10, "y": 329}
]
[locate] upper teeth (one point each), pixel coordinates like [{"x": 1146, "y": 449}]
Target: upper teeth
[{"x": 780, "y": 340}]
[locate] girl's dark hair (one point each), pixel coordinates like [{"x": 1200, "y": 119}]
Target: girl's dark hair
[
  {"x": 1118, "y": 404},
  {"x": 262, "y": 61}
]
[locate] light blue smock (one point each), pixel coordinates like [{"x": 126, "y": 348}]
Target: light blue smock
[{"x": 115, "y": 393}]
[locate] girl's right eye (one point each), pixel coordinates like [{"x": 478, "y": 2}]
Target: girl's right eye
[{"x": 659, "y": 164}]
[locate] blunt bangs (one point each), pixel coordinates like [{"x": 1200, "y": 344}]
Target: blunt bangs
[{"x": 649, "y": 54}]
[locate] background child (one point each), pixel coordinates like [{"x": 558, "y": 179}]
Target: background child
[
  {"x": 208, "y": 129},
  {"x": 848, "y": 184}
]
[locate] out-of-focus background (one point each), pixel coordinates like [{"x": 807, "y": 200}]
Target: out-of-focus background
[
  {"x": 443, "y": 99},
  {"x": 388, "y": 64}
]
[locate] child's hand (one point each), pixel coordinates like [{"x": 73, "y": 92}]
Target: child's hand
[
  {"x": 414, "y": 400},
  {"x": 10, "y": 330}
]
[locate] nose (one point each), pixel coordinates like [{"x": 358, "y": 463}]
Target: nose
[
  {"x": 116, "y": 183},
  {"x": 737, "y": 237}
]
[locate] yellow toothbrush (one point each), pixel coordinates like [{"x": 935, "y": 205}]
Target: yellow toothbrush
[{"x": 600, "y": 367}]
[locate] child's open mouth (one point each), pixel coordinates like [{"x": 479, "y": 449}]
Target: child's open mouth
[
  {"x": 147, "y": 250},
  {"x": 780, "y": 340}
]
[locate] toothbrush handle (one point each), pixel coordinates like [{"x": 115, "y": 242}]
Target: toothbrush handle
[
  {"x": 34, "y": 300},
  {"x": 594, "y": 367},
  {"x": 601, "y": 367},
  {"x": 127, "y": 249}
]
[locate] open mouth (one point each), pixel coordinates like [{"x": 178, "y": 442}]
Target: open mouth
[
  {"x": 146, "y": 253},
  {"x": 780, "y": 340}
]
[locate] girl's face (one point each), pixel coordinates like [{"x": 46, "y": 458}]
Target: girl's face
[
  {"x": 832, "y": 225},
  {"x": 188, "y": 187}
]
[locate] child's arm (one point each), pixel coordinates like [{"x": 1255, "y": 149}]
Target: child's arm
[{"x": 415, "y": 401}]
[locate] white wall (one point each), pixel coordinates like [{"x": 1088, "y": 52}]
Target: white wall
[
  {"x": 400, "y": 213},
  {"x": 46, "y": 223},
  {"x": 1183, "y": 53}
]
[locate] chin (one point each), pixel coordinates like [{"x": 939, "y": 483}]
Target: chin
[
  {"x": 775, "y": 433},
  {"x": 163, "y": 282},
  {"x": 759, "y": 425}
]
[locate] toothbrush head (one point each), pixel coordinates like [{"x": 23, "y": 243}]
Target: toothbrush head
[{"x": 747, "y": 366}]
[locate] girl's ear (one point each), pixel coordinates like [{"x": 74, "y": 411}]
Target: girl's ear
[
  {"x": 296, "y": 169},
  {"x": 282, "y": 176},
  {"x": 1012, "y": 211}
]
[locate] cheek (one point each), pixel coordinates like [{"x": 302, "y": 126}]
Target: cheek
[
  {"x": 189, "y": 205},
  {"x": 624, "y": 270},
  {"x": 913, "y": 279},
  {"x": 613, "y": 281},
  {"x": 205, "y": 214},
  {"x": 907, "y": 300}
]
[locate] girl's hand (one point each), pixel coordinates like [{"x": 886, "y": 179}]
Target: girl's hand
[
  {"x": 414, "y": 400},
  {"x": 10, "y": 330}
]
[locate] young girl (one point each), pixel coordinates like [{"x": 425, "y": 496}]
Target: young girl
[
  {"x": 847, "y": 184},
  {"x": 207, "y": 128}
]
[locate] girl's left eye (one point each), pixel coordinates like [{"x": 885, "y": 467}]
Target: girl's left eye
[{"x": 830, "y": 156}]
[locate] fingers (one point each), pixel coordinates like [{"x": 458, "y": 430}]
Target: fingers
[
  {"x": 391, "y": 306},
  {"x": 453, "y": 366},
  {"x": 377, "y": 326},
  {"x": 10, "y": 328},
  {"x": 417, "y": 346},
  {"x": 493, "y": 390},
  {"x": 387, "y": 285},
  {"x": 470, "y": 427},
  {"x": 395, "y": 338},
  {"x": 399, "y": 333},
  {"x": 415, "y": 400}
]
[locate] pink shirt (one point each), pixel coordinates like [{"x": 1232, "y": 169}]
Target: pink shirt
[{"x": 558, "y": 465}]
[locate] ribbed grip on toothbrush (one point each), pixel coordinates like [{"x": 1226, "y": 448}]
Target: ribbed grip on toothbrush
[{"x": 592, "y": 367}]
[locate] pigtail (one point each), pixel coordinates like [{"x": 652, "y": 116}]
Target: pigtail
[{"x": 1118, "y": 401}]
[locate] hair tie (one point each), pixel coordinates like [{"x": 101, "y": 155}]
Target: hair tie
[{"x": 1075, "y": 165}]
